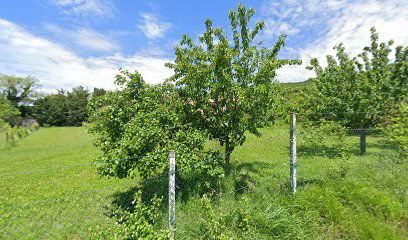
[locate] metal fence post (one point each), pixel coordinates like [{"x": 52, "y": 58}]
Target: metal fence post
[
  {"x": 172, "y": 193},
  {"x": 293, "y": 153},
  {"x": 363, "y": 135}
]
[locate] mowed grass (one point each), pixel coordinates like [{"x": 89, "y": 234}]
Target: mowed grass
[
  {"x": 49, "y": 190},
  {"x": 49, "y": 187}
]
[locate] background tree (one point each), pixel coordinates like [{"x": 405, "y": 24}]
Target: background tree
[
  {"x": 358, "y": 91},
  {"x": 98, "y": 92},
  {"x": 19, "y": 90},
  {"x": 65, "y": 108},
  {"x": 52, "y": 109},
  {"x": 77, "y": 101},
  {"x": 398, "y": 128},
  {"x": 399, "y": 75},
  {"x": 7, "y": 114},
  {"x": 228, "y": 84}
]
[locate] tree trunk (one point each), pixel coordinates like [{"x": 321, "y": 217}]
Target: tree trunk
[
  {"x": 228, "y": 151},
  {"x": 363, "y": 141},
  {"x": 363, "y": 134}
]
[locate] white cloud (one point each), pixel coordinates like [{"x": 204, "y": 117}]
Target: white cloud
[
  {"x": 85, "y": 37},
  {"x": 99, "y": 8},
  {"x": 273, "y": 28},
  {"x": 23, "y": 53},
  {"x": 338, "y": 21},
  {"x": 152, "y": 27}
]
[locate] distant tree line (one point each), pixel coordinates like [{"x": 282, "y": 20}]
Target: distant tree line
[
  {"x": 64, "y": 108},
  {"x": 19, "y": 99}
]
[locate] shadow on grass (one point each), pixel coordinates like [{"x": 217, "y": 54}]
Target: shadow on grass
[
  {"x": 320, "y": 150},
  {"x": 244, "y": 174},
  {"x": 383, "y": 144},
  {"x": 187, "y": 186},
  {"x": 305, "y": 182},
  {"x": 253, "y": 167},
  {"x": 122, "y": 200}
]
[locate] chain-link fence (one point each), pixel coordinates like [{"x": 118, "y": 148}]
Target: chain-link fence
[{"x": 324, "y": 151}]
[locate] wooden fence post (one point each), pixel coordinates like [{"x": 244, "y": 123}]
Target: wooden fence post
[
  {"x": 172, "y": 193},
  {"x": 293, "y": 153}
]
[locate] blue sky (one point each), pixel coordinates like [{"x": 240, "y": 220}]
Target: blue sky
[{"x": 65, "y": 43}]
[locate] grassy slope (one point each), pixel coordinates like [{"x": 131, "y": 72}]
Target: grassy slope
[
  {"x": 368, "y": 203},
  {"x": 49, "y": 187}
]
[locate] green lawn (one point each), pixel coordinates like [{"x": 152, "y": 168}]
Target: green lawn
[{"x": 50, "y": 190}]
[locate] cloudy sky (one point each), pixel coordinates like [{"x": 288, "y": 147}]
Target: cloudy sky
[{"x": 65, "y": 43}]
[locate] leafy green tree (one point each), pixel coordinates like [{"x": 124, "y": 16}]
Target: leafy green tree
[
  {"x": 228, "y": 84},
  {"x": 65, "y": 108},
  {"x": 52, "y": 109},
  {"x": 136, "y": 126},
  {"x": 98, "y": 92},
  {"x": 399, "y": 75},
  {"x": 7, "y": 110},
  {"x": 291, "y": 97},
  {"x": 77, "y": 101},
  {"x": 7, "y": 114},
  {"x": 398, "y": 128},
  {"x": 358, "y": 91},
  {"x": 19, "y": 90}
]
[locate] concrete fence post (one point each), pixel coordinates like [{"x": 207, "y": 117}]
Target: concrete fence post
[
  {"x": 293, "y": 153},
  {"x": 172, "y": 193}
]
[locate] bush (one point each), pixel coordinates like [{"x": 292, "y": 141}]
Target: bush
[
  {"x": 136, "y": 127},
  {"x": 139, "y": 224}
]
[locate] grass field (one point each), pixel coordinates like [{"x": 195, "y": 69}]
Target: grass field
[{"x": 50, "y": 190}]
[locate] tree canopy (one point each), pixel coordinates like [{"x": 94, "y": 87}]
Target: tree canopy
[
  {"x": 65, "y": 108},
  {"x": 227, "y": 85},
  {"x": 359, "y": 90},
  {"x": 19, "y": 90},
  {"x": 136, "y": 126},
  {"x": 7, "y": 112}
]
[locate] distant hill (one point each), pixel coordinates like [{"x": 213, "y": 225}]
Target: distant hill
[{"x": 296, "y": 84}]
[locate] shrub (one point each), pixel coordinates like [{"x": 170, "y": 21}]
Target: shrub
[{"x": 139, "y": 224}]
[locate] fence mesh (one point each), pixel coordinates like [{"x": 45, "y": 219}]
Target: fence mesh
[{"x": 260, "y": 169}]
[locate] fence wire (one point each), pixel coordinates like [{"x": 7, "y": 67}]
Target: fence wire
[{"x": 260, "y": 169}]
